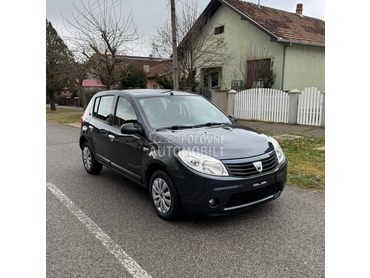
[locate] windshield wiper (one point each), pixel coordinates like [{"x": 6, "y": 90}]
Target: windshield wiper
[
  {"x": 209, "y": 124},
  {"x": 175, "y": 127}
]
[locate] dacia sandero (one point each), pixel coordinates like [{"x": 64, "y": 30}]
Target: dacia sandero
[{"x": 184, "y": 150}]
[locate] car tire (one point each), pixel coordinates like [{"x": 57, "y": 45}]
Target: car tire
[
  {"x": 164, "y": 196},
  {"x": 91, "y": 165}
]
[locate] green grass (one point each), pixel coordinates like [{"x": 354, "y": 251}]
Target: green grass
[
  {"x": 306, "y": 165},
  {"x": 65, "y": 118},
  {"x": 62, "y": 110}
]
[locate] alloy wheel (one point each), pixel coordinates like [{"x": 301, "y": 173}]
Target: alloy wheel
[{"x": 87, "y": 158}]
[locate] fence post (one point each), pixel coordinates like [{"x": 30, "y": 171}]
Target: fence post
[
  {"x": 293, "y": 106},
  {"x": 219, "y": 98},
  {"x": 323, "y": 110},
  {"x": 230, "y": 102}
]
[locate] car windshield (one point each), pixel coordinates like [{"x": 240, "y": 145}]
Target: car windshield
[{"x": 170, "y": 111}]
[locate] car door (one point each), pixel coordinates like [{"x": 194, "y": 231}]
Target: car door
[
  {"x": 99, "y": 127},
  {"x": 125, "y": 149}
]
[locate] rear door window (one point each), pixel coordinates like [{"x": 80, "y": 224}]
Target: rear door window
[{"x": 103, "y": 108}]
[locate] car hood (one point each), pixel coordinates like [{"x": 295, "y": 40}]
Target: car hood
[{"x": 222, "y": 142}]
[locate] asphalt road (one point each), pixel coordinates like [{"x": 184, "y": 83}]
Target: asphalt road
[{"x": 105, "y": 226}]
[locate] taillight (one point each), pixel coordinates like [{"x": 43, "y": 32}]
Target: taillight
[{"x": 82, "y": 117}]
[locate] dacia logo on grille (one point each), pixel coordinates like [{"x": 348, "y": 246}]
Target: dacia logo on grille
[{"x": 258, "y": 166}]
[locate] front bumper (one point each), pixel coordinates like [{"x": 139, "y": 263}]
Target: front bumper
[{"x": 230, "y": 194}]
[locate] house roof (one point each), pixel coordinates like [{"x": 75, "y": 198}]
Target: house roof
[
  {"x": 279, "y": 25},
  {"x": 150, "y": 65},
  {"x": 91, "y": 83},
  {"x": 160, "y": 69}
]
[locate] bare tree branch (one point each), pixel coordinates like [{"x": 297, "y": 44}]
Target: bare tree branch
[
  {"x": 102, "y": 34},
  {"x": 198, "y": 46}
]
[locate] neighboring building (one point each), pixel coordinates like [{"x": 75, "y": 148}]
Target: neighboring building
[
  {"x": 88, "y": 84},
  {"x": 163, "y": 69},
  {"x": 150, "y": 66},
  {"x": 261, "y": 38}
]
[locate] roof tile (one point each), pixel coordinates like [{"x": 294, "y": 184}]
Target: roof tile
[{"x": 286, "y": 25}]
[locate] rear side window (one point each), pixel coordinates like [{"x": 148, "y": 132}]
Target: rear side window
[{"x": 103, "y": 107}]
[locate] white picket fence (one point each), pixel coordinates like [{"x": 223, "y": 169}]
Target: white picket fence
[
  {"x": 262, "y": 104},
  {"x": 273, "y": 106},
  {"x": 310, "y": 107}
]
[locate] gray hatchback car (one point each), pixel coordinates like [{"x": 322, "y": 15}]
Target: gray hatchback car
[{"x": 189, "y": 154}]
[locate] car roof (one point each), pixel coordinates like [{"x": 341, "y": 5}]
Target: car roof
[{"x": 138, "y": 93}]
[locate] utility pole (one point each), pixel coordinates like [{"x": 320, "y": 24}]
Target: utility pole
[{"x": 174, "y": 48}]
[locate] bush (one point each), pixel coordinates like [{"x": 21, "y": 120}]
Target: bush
[
  {"x": 132, "y": 77},
  {"x": 61, "y": 100}
]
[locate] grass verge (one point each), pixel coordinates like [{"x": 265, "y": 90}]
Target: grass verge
[
  {"x": 65, "y": 118},
  {"x": 306, "y": 164},
  {"x": 62, "y": 110}
]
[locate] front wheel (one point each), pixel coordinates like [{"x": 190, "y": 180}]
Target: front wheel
[
  {"x": 164, "y": 196},
  {"x": 91, "y": 165}
]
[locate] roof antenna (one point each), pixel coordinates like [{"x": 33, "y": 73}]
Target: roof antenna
[
  {"x": 168, "y": 91},
  {"x": 259, "y": 4}
]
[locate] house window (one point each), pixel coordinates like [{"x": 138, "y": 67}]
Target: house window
[
  {"x": 258, "y": 71},
  {"x": 219, "y": 30}
]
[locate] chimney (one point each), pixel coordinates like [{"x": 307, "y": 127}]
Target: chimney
[{"x": 299, "y": 9}]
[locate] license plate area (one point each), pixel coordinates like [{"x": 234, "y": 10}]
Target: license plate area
[{"x": 265, "y": 189}]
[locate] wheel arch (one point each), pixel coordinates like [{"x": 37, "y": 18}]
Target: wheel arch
[
  {"x": 83, "y": 139},
  {"x": 152, "y": 168}
]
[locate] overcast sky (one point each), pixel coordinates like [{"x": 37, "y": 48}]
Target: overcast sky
[{"x": 150, "y": 14}]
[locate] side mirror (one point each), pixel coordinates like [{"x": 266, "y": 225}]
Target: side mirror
[
  {"x": 129, "y": 128},
  {"x": 233, "y": 118}
]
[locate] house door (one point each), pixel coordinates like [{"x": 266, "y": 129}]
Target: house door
[{"x": 210, "y": 78}]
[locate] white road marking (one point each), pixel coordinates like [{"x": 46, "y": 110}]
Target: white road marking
[{"x": 131, "y": 266}]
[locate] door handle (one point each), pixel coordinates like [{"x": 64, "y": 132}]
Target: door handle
[
  {"x": 91, "y": 127},
  {"x": 111, "y": 137}
]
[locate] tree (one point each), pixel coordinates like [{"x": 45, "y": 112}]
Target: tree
[
  {"x": 81, "y": 70},
  {"x": 132, "y": 77},
  {"x": 101, "y": 34},
  {"x": 198, "y": 46},
  {"x": 58, "y": 61},
  {"x": 164, "y": 82}
]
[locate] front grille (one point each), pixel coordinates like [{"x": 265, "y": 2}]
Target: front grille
[
  {"x": 246, "y": 169},
  {"x": 253, "y": 195}
]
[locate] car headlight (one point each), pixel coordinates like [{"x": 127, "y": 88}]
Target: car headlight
[
  {"x": 203, "y": 163},
  {"x": 278, "y": 150}
]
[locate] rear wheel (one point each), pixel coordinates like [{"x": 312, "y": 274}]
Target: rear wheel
[
  {"x": 91, "y": 165},
  {"x": 164, "y": 196}
]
